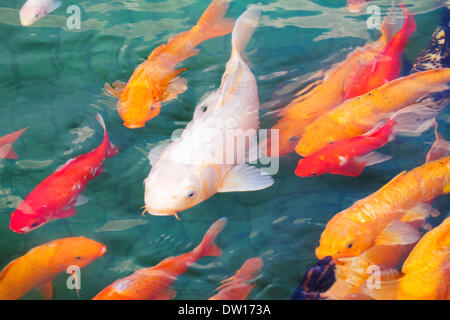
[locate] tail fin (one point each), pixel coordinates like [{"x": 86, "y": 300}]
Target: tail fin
[
  {"x": 6, "y": 149},
  {"x": 212, "y": 23},
  {"x": 416, "y": 119},
  {"x": 249, "y": 270},
  {"x": 208, "y": 248},
  {"x": 112, "y": 149},
  {"x": 440, "y": 147},
  {"x": 243, "y": 30}
]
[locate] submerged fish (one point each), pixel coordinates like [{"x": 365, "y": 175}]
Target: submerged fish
[
  {"x": 425, "y": 273},
  {"x": 156, "y": 80},
  {"x": 39, "y": 266},
  {"x": 356, "y": 5},
  {"x": 56, "y": 196},
  {"x": 238, "y": 287},
  {"x": 377, "y": 219},
  {"x": 154, "y": 283},
  {"x": 359, "y": 115},
  {"x": 6, "y": 142},
  {"x": 351, "y": 156},
  {"x": 364, "y": 69},
  {"x": 34, "y": 10},
  {"x": 203, "y": 160}
]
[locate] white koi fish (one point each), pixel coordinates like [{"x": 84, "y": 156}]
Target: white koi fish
[
  {"x": 34, "y": 10},
  {"x": 202, "y": 161}
]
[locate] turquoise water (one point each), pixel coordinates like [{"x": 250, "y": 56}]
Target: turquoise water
[{"x": 51, "y": 80}]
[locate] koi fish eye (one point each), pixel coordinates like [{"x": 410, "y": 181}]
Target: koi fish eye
[
  {"x": 204, "y": 109},
  {"x": 78, "y": 258},
  {"x": 33, "y": 225},
  {"x": 36, "y": 15},
  {"x": 350, "y": 245},
  {"x": 314, "y": 174},
  {"x": 190, "y": 194}
]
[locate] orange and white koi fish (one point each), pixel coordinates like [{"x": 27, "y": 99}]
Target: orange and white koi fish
[
  {"x": 59, "y": 193},
  {"x": 156, "y": 80},
  {"x": 6, "y": 142},
  {"x": 154, "y": 283},
  {"x": 376, "y": 219},
  {"x": 356, "y": 5},
  {"x": 364, "y": 69},
  {"x": 238, "y": 287},
  {"x": 203, "y": 161},
  {"x": 351, "y": 156},
  {"x": 34, "y": 10},
  {"x": 425, "y": 273},
  {"x": 359, "y": 115},
  {"x": 39, "y": 266}
]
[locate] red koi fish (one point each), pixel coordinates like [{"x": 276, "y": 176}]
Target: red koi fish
[
  {"x": 387, "y": 64},
  {"x": 154, "y": 283},
  {"x": 6, "y": 149},
  {"x": 56, "y": 196},
  {"x": 349, "y": 157},
  {"x": 238, "y": 287}
]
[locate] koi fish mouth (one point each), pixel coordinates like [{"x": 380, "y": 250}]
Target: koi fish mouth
[
  {"x": 133, "y": 125},
  {"x": 160, "y": 213}
]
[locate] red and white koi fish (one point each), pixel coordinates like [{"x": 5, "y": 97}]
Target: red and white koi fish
[{"x": 56, "y": 196}]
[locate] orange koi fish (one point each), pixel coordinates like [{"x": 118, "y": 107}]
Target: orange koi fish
[
  {"x": 359, "y": 115},
  {"x": 156, "y": 80},
  {"x": 154, "y": 283},
  {"x": 57, "y": 195},
  {"x": 356, "y": 5},
  {"x": 39, "y": 266},
  {"x": 425, "y": 273},
  {"x": 376, "y": 219},
  {"x": 238, "y": 287},
  {"x": 351, "y": 156},
  {"x": 6, "y": 149},
  {"x": 377, "y": 61}
]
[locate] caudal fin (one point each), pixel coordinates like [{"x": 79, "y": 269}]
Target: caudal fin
[
  {"x": 212, "y": 23},
  {"x": 244, "y": 29},
  {"x": 440, "y": 147},
  {"x": 112, "y": 149},
  {"x": 208, "y": 248}
]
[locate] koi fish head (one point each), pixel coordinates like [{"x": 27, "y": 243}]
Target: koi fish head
[
  {"x": 31, "y": 12},
  {"x": 79, "y": 251},
  {"x": 309, "y": 167},
  {"x": 343, "y": 238},
  {"x": 25, "y": 219},
  {"x": 171, "y": 188},
  {"x": 137, "y": 106}
]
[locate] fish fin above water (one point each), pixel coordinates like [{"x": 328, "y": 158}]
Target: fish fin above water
[
  {"x": 46, "y": 290},
  {"x": 398, "y": 233},
  {"x": 166, "y": 294},
  {"x": 81, "y": 200},
  {"x": 245, "y": 178},
  {"x": 115, "y": 89},
  {"x": 372, "y": 158},
  {"x": 177, "y": 86},
  {"x": 156, "y": 152},
  {"x": 7, "y": 152},
  {"x": 65, "y": 213}
]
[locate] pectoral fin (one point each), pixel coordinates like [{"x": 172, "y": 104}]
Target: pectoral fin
[
  {"x": 81, "y": 200},
  {"x": 65, "y": 213},
  {"x": 373, "y": 158},
  {"x": 398, "y": 233},
  {"x": 46, "y": 290},
  {"x": 177, "y": 86},
  {"x": 420, "y": 212},
  {"x": 245, "y": 178},
  {"x": 156, "y": 152},
  {"x": 116, "y": 89}
]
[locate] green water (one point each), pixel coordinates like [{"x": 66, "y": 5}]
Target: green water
[{"x": 51, "y": 80}]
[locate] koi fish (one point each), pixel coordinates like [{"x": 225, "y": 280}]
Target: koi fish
[
  {"x": 202, "y": 161},
  {"x": 39, "y": 266},
  {"x": 6, "y": 149},
  {"x": 387, "y": 64},
  {"x": 356, "y": 5},
  {"x": 34, "y": 10},
  {"x": 345, "y": 81},
  {"x": 376, "y": 219},
  {"x": 156, "y": 80},
  {"x": 56, "y": 196},
  {"x": 351, "y": 156},
  {"x": 359, "y": 115},
  {"x": 238, "y": 287},
  {"x": 154, "y": 283},
  {"x": 425, "y": 273}
]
